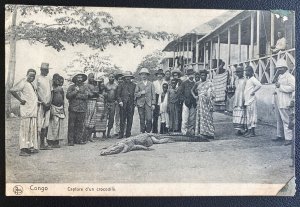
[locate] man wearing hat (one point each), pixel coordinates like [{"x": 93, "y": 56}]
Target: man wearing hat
[
  {"x": 77, "y": 94},
  {"x": 119, "y": 80},
  {"x": 158, "y": 90},
  {"x": 44, "y": 88},
  {"x": 125, "y": 98},
  {"x": 146, "y": 99},
  {"x": 189, "y": 103},
  {"x": 176, "y": 74},
  {"x": 239, "y": 109},
  {"x": 284, "y": 88}
]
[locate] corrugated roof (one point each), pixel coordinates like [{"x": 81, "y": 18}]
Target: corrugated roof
[
  {"x": 206, "y": 27},
  {"x": 209, "y": 26}
]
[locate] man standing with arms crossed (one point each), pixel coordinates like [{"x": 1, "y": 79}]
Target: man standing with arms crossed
[{"x": 44, "y": 88}]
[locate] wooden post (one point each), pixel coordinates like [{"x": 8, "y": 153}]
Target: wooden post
[
  {"x": 239, "y": 42},
  {"x": 204, "y": 55},
  {"x": 258, "y": 32},
  {"x": 252, "y": 37},
  {"x": 218, "y": 51},
  {"x": 183, "y": 52},
  {"x": 248, "y": 55},
  {"x": 174, "y": 58},
  {"x": 12, "y": 62},
  {"x": 228, "y": 48},
  {"x": 197, "y": 54},
  {"x": 187, "y": 51},
  {"x": 211, "y": 54},
  {"x": 272, "y": 29}
]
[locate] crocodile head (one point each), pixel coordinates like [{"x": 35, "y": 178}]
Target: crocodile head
[{"x": 115, "y": 149}]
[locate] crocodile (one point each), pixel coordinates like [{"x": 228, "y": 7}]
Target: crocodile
[{"x": 146, "y": 140}]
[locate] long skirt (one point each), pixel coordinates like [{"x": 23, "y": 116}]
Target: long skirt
[
  {"x": 239, "y": 118},
  {"x": 100, "y": 117},
  {"x": 173, "y": 116},
  {"x": 251, "y": 114},
  {"x": 204, "y": 117},
  {"x": 90, "y": 114},
  {"x": 28, "y": 133},
  {"x": 56, "y": 123}
]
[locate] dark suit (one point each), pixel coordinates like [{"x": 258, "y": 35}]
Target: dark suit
[
  {"x": 125, "y": 94},
  {"x": 144, "y": 104}
]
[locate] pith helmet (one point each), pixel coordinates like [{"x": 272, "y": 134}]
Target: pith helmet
[
  {"x": 144, "y": 70},
  {"x": 281, "y": 63}
]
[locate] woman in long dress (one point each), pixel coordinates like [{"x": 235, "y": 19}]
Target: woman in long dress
[{"x": 204, "y": 116}]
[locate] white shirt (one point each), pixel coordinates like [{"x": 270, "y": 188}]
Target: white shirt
[
  {"x": 145, "y": 82},
  {"x": 27, "y": 93},
  {"x": 280, "y": 44},
  {"x": 283, "y": 94},
  {"x": 250, "y": 85},
  {"x": 158, "y": 86}
]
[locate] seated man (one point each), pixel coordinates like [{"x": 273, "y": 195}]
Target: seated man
[{"x": 280, "y": 44}]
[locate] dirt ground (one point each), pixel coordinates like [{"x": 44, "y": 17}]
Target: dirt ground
[{"x": 227, "y": 159}]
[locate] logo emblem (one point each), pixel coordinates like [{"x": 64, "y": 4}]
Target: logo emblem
[{"x": 18, "y": 190}]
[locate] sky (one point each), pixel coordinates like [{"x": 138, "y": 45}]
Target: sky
[{"x": 178, "y": 21}]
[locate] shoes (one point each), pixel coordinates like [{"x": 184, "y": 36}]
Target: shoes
[
  {"x": 70, "y": 144},
  {"x": 33, "y": 151},
  {"x": 277, "y": 139},
  {"x": 24, "y": 154},
  {"x": 45, "y": 148},
  {"x": 287, "y": 142},
  {"x": 91, "y": 140},
  {"x": 81, "y": 142}
]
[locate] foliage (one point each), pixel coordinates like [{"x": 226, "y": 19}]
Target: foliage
[
  {"x": 76, "y": 25},
  {"x": 91, "y": 63},
  {"x": 151, "y": 62}
]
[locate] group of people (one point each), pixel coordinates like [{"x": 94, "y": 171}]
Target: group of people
[{"x": 182, "y": 103}]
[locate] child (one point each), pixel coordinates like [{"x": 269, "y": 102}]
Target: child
[
  {"x": 100, "y": 117},
  {"x": 57, "y": 111},
  {"x": 252, "y": 86},
  {"x": 173, "y": 107},
  {"x": 163, "y": 103}
]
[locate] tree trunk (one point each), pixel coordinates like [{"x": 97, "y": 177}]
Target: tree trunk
[{"x": 12, "y": 64}]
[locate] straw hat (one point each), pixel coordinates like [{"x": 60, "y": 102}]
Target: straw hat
[
  {"x": 160, "y": 71},
  {"x": 118, "y": 75},
  {"x": 203, "y": 71},
  {"x": 176, "y": 70},
  {"x": 84, "y": 77},
  {"x": 128, "y": 74}
]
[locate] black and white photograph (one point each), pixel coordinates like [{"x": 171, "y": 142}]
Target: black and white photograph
[{"x": 115, "y": 101}]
